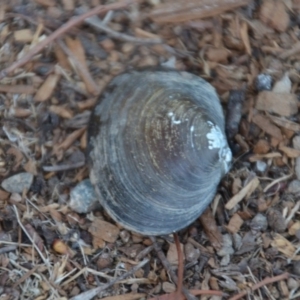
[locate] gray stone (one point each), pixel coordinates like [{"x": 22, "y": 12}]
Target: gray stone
[
  {"x": 296, "y": 142},
  {"x": 263, "y": 82},
  {"x": 83, "y": 198},
  {"x": 294, "y": 187},
  {"x": 259, "y": 223},
  {"x": 261, "y": 166},
  {"x": 18, "y": 183}
]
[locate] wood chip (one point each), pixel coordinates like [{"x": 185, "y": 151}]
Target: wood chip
[
  {"x": 129, "y": 296},
  {"x": 235, "y": 223},
  {"x": 274, "y": 14},
  {"x": 186, "y": 10},
  {"x": 17, "y": 89},
  {"x": 104, "y": 230},
  {"x": 70, "y": 139},
  {"x": 77, "y": 50},
  {"x": 265, "y": 124},
  {"x": 284, "y": 104},
  {"x": 23, "y": 35},
  {"x": 261, "y": 147},
  {"x": 294, "y": 228},
  {"x": 257, "y": 157},
  {"x": 47, "y": 3},
  {"x": 282, "y": 122},
  {"x": 211, "y": 229},
  {"x": 47, "y": 88},
  {"x": 68, "y": 4},
  {"x": 61, "y": 111},
  {"x": 284, "y": 246},
  {"x": 247, "y": 190},
  {"x": 172, "y": 255},
  {"x": 290, "y": 152}
]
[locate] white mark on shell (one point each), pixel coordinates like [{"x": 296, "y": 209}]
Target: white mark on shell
[
  {"x": 217, "y": 140},
  {"x": 173, "y": 121},
  {"x": 192, "y": 140}
]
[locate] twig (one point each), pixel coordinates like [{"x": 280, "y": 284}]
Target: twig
[
  {"x": 8, "y": 249},
  {"x": 94, "y": 292},
  {"x": 78, "y": 65},
  {"x": 277, "y": 181},
  {"x": 46, "y": 262},
  {"x": 144, "y": 252},
  {"x": 95, "y": 22},
  {"x": 63, "y": 29},
  {"x": 168, "y": 268},
  {"x": 60, "y": 168},
  {"x": 258, "y": 285},
  {"x": 25, "y": 276},
  {"x": 180, "y": 264}
]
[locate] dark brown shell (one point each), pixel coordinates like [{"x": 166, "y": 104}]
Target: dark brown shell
[{"x": 157, "y": 149}]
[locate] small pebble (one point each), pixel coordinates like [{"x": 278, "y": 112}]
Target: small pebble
[
  {"x": 296, "y": 142},
  {"x": 191, "y": 253},
  {"x": 297, "y": 167},
  {"x": 296, "y": 267},
  {"x": 263, "y": 82},
  {"x": 17, "y": 183},
  {"x": 294, "y": 187},
  {"x": 227, "y": 246},
  {"x": 276, "y": 221},
  {"x": 168, "y": 287},
  {"x": 125, "y": 236},
  {"x": 104, "y": 261},
  {"x": 293, "y": 283},
  {"x": 261, "y": 166},
  {"x": 259, "y": 223},
  {"x": 237, "y": 241},
  {"x": 83, "y": 198}
]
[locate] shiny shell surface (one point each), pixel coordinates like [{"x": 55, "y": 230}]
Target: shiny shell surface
[{"x": 157, "y": 149}]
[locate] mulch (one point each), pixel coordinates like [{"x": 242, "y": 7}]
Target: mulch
[{"x": 56, "y": 57}]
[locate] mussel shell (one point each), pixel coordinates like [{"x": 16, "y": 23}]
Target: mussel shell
[{"x": 157, "y": 149}]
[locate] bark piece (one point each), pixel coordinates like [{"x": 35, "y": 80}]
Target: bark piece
[{"x": 284, "y": 104}]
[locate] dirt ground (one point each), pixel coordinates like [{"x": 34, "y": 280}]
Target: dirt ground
[{"x": 56, "y": 57}]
